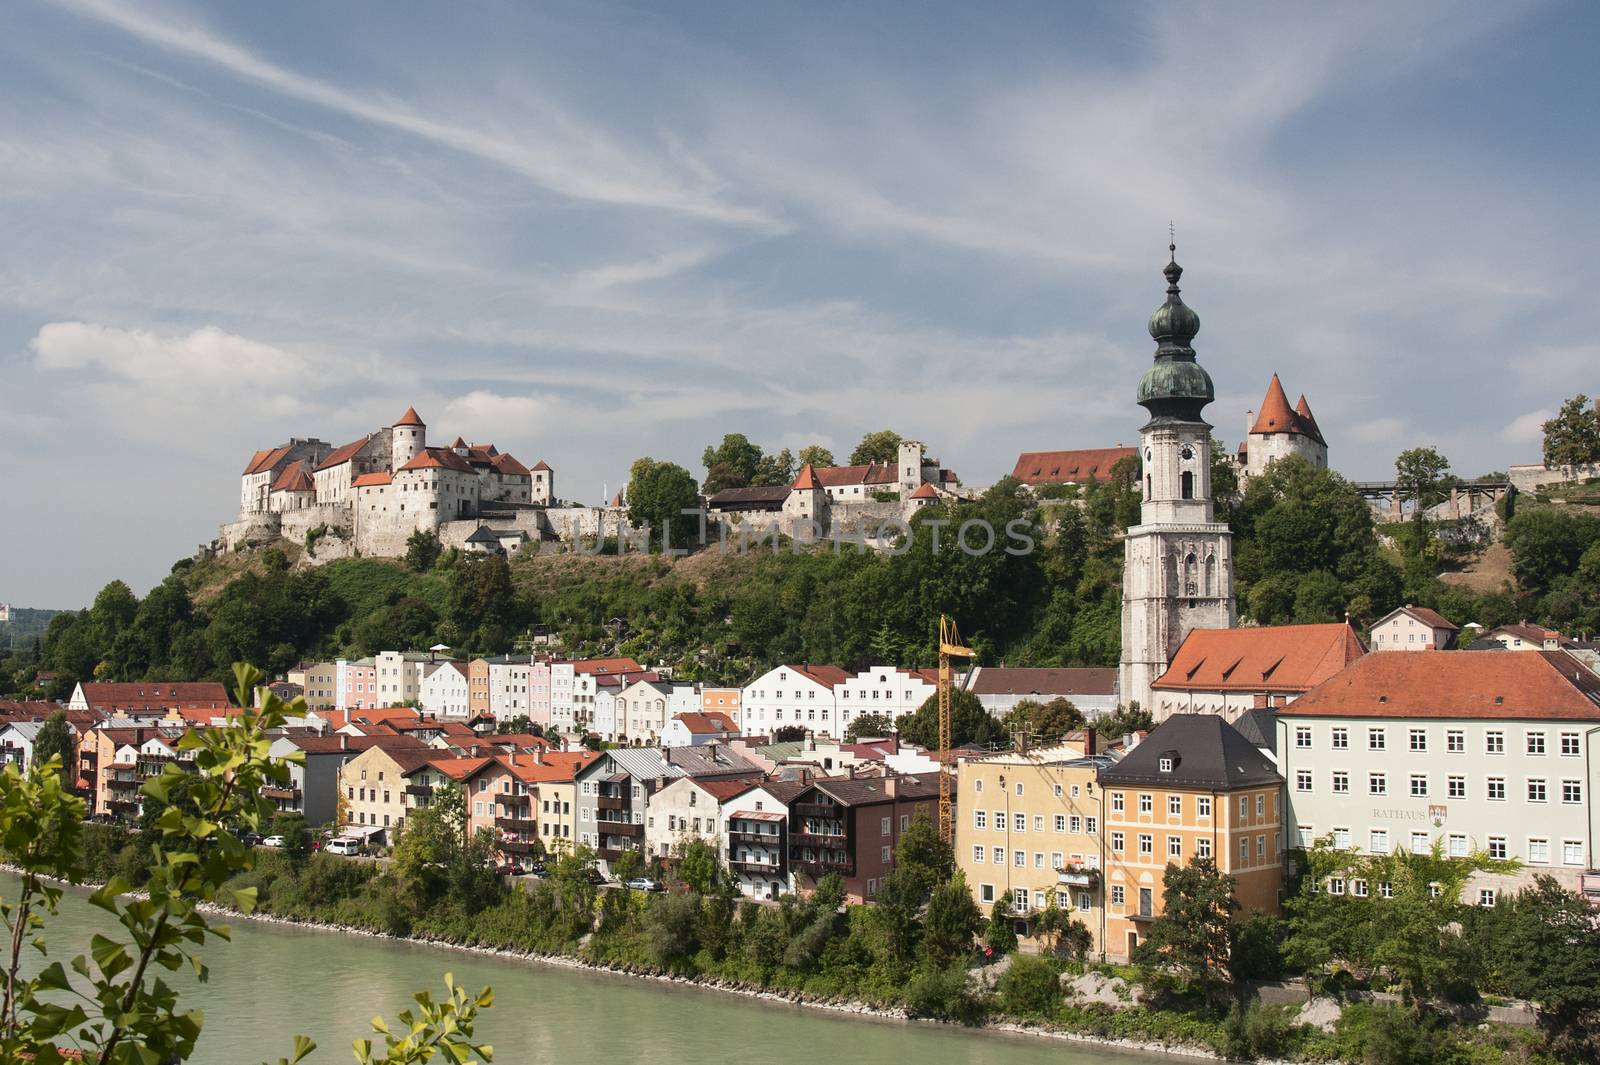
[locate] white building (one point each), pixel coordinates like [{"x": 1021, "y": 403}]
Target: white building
[
  {"x": 641, "y": 714},
  {"x": 1477, "y": 750},
  {"x": 400, "y": 675},
  {"x": 1414, "y": 628},
  {"x": 693, "y": 728},
  {"x": 1280, "y": 431},
  {"x": 509, "y": 696},
  {"x": 999, "y": 688},
  {"x": 755, "y": 837},
  {"x": 444, "y": 692},
  {"x": 1178, "y": 570},
  {"x": 687, "y": 809},
  {"x": 791, "y": 695},
  {"x": 887, "y": 690}
]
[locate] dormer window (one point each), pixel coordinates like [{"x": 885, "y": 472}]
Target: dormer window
[{"x": 1166, "y": 765}]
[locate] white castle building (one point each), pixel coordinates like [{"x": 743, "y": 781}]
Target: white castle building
[
  {"x": 1279, "y": 431},
  {"x": 1178, "y": 568},
  {"x": 369, "y": 496}
]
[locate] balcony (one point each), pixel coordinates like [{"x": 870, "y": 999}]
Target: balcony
[
  {"x": 618, "y": 828},
  {"x": 518, "y": 846},
  {"x": 764, "y": 839},
  {"x": 1078, "y": 876},
  {"x": 819, "y": 869},
  {"x": 816, "y": 809},
  {"x": 124, "y": 784},
  {"x": 822, "y": 836},
  {"x": 611, "y": 802},
  {"x": 519, "y": 825},
  {"x": 511, "y": 799},
  {"x": 420, "y": 791},
  {"x": 757, "y": 868}
]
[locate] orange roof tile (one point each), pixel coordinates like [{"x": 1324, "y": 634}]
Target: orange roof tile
[
  {"x": 1458, "y": 684},
  {"x": 542, "y": 465},
  {"x": 294, "y": 478},
  {"x": 1308, "y": 421},
  {"x": 1280, "y": 658},
  {"x": 827, "y": 676},
  {"x": 411, "y": 417},
  {"x": 702, "y": 724},
  {"x": 1062, "y": 467},
  {"x": 367, "y": 480},
  {"x": 341, "y": 455},
  {"x": 507, "y": 466},
  {"x": 155, "y": 695},
  {"x": 807, "y": 481},
  {"x": 607, "y": 665},
  {"x": 1277, "y": 417},
  {"x": 927, "y": 491},
  {"x": 435, "y": 458},
  {"x": 841, "y": 476}
]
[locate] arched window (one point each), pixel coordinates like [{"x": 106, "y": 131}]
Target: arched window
[
  {"x": 1191, "y": 583},
  {"x": 1147, "y": 486},
  {"x": 1188, "y": 484},
  {"x": 1211, "y": 575}
]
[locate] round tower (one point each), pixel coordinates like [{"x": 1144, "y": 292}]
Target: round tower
[{"x": 408, "y": 438}]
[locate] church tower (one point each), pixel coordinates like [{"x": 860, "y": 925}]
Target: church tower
[{"x": 1178, "y": 563}]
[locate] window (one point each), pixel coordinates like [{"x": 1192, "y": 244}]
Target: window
[
  {"x": 1458, "y": 845},
  {"x": 999, "y": 820},
  {"x": 977, "y": 854},
  {"x": 1539, "y": 851},
  {"x": 1147, "y": 803},
  {"x": 905, "y": 822},
  {"x": 1572, "y": 791},
  {"x": 1536, "y": 790},
  {"x": 1302, "y": 737},
  {"x": 1305, "y": 835},
  {"x": 986, "y": 892},
  {"x": 1336, "y": 886},
  {"x": 1174, "y": 846},
  {"x": 1341, "y": 839},
  {"x": 1535, "y": 742},
  {"x": 1377, "y": 784},
  {"x": 980, "y": 819},
  {"x": 1358, "y": 888},
  {"x": 1494, "y": 742},
  {"x": 1378, "y": 841},
  {"x": 1341, "y": 739},
  {"x": 1019, "y": 899},
  {"x": 1244, "y": 850},
  {"x": 1341, "y": 782},
  {"x": 1118, "y": 895},
  {"x": 1569, "y": 744},
  {"x": 1038, "y": 823},
  {"x": 1175, "y": 805},
  {"x": 1302, "y": 780},
  {"x": 1091, "y": 825},
  {"x": 1019, "y": 822},
  {"x": 1117, "y": 841},
  {"x": 1456, "y": 787},
  {"x": 1497, "y": 846},
  {"x": 1055, "y": 860},
  {"x": 977, "y": 785},
  {"x": 1486, "y": 898},
  {"x": 1116, "y": 802},
  {"x": 1419, "y": 785},
  {"x": 1377, "y": 739},
  {"x": 1455, "y": 741},
  {"x": 999, "y": 855},
  {"x": 1020, "y": 859},
  {"x": 1019, "y": 789},
  {"x": 1261, "y": 805},
  {"x": 1419, "y": 843},
  {"x": 1074, "y": 823},
  {"x": 1495, "y": 788},
  {"x": 1571, "y": 852},
  {"x": 1061, "y": 822},
  {"x": 1165, "y": 765},
  {"x": 1147, "y": 843},
  {"x": 1203, "y": 805},
  {"x": 1084, "y": 901},
  {"x": 1419, "y": 739}
]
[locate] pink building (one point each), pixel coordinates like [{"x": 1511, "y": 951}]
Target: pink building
[
  {"x": 539, "y": 692},
  {"x": 359, "y": 686}
]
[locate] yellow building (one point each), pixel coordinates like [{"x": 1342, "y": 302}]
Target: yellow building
[
  {"x": 372, "y": 787},
  {"x": 317, "y": 682},
  {"x": 1029, "y": 830},
  {"x": 1194, "y": 788}
]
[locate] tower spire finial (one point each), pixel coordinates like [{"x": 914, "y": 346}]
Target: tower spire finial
[{"x": 1172, "y": 241}]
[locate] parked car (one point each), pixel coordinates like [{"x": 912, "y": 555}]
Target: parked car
[
  {"x": 273, "y": 841},
  {"x": 644, "y": 883},
  {"x": 510, "y": 869},
  {"x": 344, "y": 845},
  {"x": 250, "y": 839}
]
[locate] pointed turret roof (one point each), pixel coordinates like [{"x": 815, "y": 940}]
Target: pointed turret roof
[
  {"x": 457, "y": 442},
  {"x": 541, "y": 465},
  {"x": 616, "y": 500},
  {"x": 1277, "y": 417},
  {"x": 411, "y": 417},
  {"x": 1302, "y": 411},
  {"x": 807, "y": 481}
]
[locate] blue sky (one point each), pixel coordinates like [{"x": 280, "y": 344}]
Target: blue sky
[{"x": 591, "y": 232}]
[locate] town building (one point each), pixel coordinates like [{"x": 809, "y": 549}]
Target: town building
[
  {"x": 1231, "y": 671},
  {"x": 444, "y": 691},
  {"x": 1414, "y": 628},
  {"x": 791, "y": 695},
  {"x": 851, "y": 826},
  {"x": 999, "y": 688},
  {"x": 313, "y": 787},
  {"x": 693, "y": 729},
  {"x": 1194, "y": 788},
  {"x": 1030, "y": 832},
  {"x": 1178, "y": 569},
  {"x": 144, "y": 698},
  {"x": 1280, "y": 431},
  {"x": 374, "y": 783},
  {"x": 685, "y": 810},
  {"x": 755, "y": 838},
  {"x": 316, "y": 680},
  {"x": 886, "y": 691},
  {"x": 1525, "y": 637},
  {"x": 1081, "y": 467},
  {"x": 119, "y": 756},
  {"x": 1476, "y": 751}
]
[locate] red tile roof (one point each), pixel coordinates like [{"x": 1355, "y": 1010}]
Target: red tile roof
[
  {"x": 368, "y": 480},
  {"x": 262, "y": 461},
  {"x": 607, "y": 665},
  {"x": 457, "y": 442},
  {"x": 1277, "y": 417},
  {"x": 507, "y": 466},
  {"x": 1431, "y": 618},
  {"x": 827, "y": 676},
  {"x": 840, "y": 476},
  {"x": 807, "y": 481},
  {"x": 1042, "y": 682},
  {"x": 1302, "y": 410},
  {"x": 294, "y": 478},
  {"x": 1062, "y": 467},
  {"x": 542, "y": 465},
  {"x": 1459, "y": 684},
  {"x": 410, "y": 417},
  {"x": 707, "y": 723},
  {"x": 927, "y": 491},
  {"x": 313, "y": 744},
  {"x": 1280, "y": 658},
  {"x": 344, "y": 453},
  {"x": 722, "y": 790},
  {"x": 431, "y": 458},
  {"x": 155, "y": 695}
]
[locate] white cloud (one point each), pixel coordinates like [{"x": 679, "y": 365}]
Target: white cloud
[{"x": 1527, "y": 428}]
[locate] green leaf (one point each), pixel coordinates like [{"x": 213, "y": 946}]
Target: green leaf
[{"x": 53, "y": 977}]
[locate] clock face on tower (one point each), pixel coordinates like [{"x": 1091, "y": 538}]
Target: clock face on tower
[{"x": 1187, "y": 454}]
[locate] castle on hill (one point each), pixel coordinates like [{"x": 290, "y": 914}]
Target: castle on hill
[{"x": 369, "y": 496}]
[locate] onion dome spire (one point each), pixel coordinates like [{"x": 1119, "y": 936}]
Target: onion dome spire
[{"x": 1176, "y": 388}]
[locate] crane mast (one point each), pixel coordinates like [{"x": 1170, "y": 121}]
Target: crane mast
[{"x": 949, "y": 647}]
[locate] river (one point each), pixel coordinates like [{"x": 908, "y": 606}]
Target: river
[{"x": 273, "y": 981}]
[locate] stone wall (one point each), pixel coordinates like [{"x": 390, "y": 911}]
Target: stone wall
[
  {"x": 337, "y": 542},
  {"x": 1527, "y": 478},
  {"x": 260, "y": 528}
]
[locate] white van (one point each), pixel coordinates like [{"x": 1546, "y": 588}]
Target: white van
[{"x": 344, "y": 845}]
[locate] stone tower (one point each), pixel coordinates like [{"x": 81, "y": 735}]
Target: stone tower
[
  {"x": 807, "y": 501},
  {"x": 910, "y": 474},
  {"x": 407, "y": 438},
  {"x": 1178, "y": 567}
]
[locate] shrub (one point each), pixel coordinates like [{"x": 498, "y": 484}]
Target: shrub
[
  {"x": 943, "y": 994},
  {"x": 1030, "y": 987}
]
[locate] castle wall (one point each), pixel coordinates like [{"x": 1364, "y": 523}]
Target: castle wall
[
  {"x": 1527, "y": 478},
  {"x": 258, "y": 528}
]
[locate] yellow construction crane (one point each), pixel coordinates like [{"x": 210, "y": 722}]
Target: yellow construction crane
[{"x": 949, "y": 647}]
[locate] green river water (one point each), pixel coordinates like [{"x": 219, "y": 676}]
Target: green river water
[{"x": 274, "y": 981}]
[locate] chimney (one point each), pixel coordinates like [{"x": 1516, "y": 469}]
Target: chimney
[
  {"x": 1091, "y": 740},
  {"x": 850, "y": 770},
  {"x": 1249, "y": 422},
  {"x": 344, "y": 741},
  {"x": 891, "y": 786},
  {"x": 513, "y": 757},
  {"x": 538, "y": 755}
]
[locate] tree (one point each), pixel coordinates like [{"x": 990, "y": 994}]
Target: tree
[
  {"x": 1193, "y": 933},
  {"x": 1547, "y": 544},
  {"x": 114, "y": 1007},
  {"x": 969, "y": 723},
  {"x": 788, "y": 733},
  {"x": 422, "y": 550},
  {"x": 1123, "y": 721},
  {"x": 999, "y": 936},
  {"x": 629, "y": 865},
  {"x": 869, "y": 726},
  {"x": 731, "y": 464},
  {"x": 54, "y": 740},
  {"x": 1549, "y": 953},
  {"x": 1419, "y": 938},
  {"x": 1045, "y": 722},
  {"x": 700, "y": 866},
  {"x": 882, "y": 447},
  {"x": 1422, "y": 477},
  {"x": 774, "y": 470},
  {"x": 1572, "y": 437},
  {"x": 658, "y": 493},
  {"x": 952, "y": 920},
  {"x": 814, "y": 455}
]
